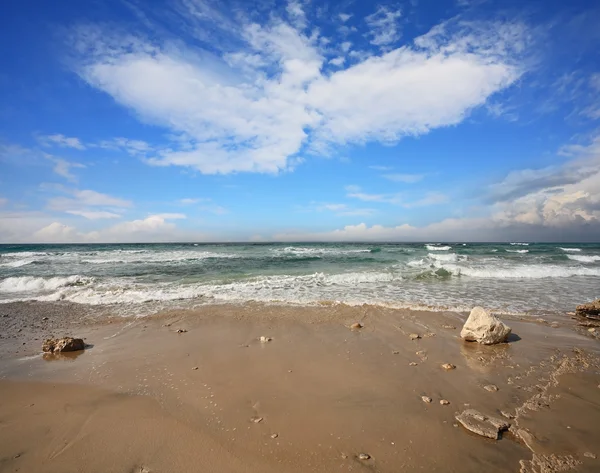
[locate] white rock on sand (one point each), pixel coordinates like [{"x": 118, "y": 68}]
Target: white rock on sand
[
  {"x": 484, "y": 328},
  {"x": 481, "y": 424}
]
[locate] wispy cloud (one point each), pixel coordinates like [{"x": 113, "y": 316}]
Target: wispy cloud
[
  {"x": 431, "y": 198},
  {"x": 195, "y": 200},
  {"x": 384, "y": 26},
  {"x": 296, "y": 14},
  {"x": 63, "y": 168},
  {"x": 171, "y": 216},
  {"x": 86, "y": 203},
  {"x": 214, "y": 209},
  {"x": 94, "y": 215},
  {"x": 133, "y": 147},
  {"x": 395, "y": 199},
  {"x": 406, "y": 178},
  {"x": 61, "y": 141},
  {"x": 338, "y": 209}
]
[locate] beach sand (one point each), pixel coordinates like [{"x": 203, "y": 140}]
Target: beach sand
[{"x": 144, "y": 398}]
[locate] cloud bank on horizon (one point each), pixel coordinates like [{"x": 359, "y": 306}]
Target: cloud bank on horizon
[{"x": 300, "y": 120}]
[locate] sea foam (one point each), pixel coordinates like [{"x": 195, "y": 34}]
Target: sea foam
[
  {"x": 36, "y": 284},
  {"x": 584, "y": 258}
]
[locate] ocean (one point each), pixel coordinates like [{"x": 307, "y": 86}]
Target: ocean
[{"x": 516, "y": 278}]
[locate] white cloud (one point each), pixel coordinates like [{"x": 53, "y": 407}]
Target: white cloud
[
  {"x": 152, "y": 228},
  {"x": 558, "y": 196},
  {"x": 85, "y": 198},
  {"x": 93, "y": 214},
  {"x": 338, "y": 61},
  {"x": 256, "y": 109},
  {"x": 345, "y": 46},
  {"x": 171, "y": 216},
  {"x": 153, "y": 225},
  {"x": 344, "y": 17},
  {"x": 384, "y": 26},
  {"x": 56, "y": 233},
  {"x": 406, "y": 178},
  {"x": 62, "y": 141}
]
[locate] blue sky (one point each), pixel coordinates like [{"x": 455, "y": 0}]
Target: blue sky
[{"x": 123, "y": 120}]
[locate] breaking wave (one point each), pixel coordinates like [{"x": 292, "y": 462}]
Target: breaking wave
[
  {"x": 438, "y": 248},
  {"x": 37, "y": 284},
  {"x": 584, "y": 259},
  {"x": 571, "y": 250}
]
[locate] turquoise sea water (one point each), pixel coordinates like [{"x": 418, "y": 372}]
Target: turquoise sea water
[{"x": 530, "y": 278}]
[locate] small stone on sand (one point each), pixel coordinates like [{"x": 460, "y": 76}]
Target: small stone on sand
[
  {"x": 414, "y": 336},
  {"x": 396, "y": 352},
  {"x": 592, "y": 330},
  {"x": 491, "y": 388},
  {"x": 181, "y": 330},
  {"x": 448, "y": 366},
  {"x": 481, "y": 424},
  {"x": 444, "y": 402},
  {"x": 364, "y": 456},
  {"x": 264, "y": 339},
  {"x": 426, "y": 399},
  {"x": 589, "y": 455},
  {"x": 195, "y": 368},
  {"x": 412, "y": 363},
  {"x": 256, "y": 420},
  {"x": 274, "y": 436},
  {"x": 356, "y": 325},
  {"x": 450, "y": 327}
]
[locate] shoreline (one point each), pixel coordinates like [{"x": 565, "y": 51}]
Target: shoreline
[{"x": 327, "y": 393}]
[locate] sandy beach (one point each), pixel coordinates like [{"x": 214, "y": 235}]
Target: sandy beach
[{"x": 145, "y": 398}]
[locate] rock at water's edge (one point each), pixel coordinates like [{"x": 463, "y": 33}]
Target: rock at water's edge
[
  {"x": 483, "y": 327},
  {"x": 589, "y": 311},
  {"x": 59, "y": 345}
]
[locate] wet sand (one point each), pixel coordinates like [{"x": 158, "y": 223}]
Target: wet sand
[{"x": 146, "y": 398}]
